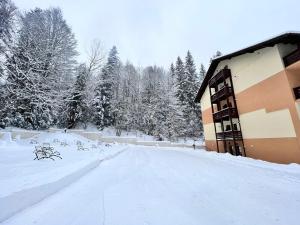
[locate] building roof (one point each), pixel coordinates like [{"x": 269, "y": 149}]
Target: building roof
[{"x": 287, "y": 38}]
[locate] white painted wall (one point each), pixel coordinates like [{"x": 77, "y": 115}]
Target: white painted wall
[
  {"x": 252, "y": 68},
  {"x": 209, "y": 131},
  {"x": 205, "y": 100}
]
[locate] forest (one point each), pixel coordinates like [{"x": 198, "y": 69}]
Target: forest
[{"x": 43, "y": 85}]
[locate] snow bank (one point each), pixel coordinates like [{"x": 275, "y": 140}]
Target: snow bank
[
  {"x": 25, "y": 181},
  {"x": 5, "y": 138},
  {"x": 21, "y": 200}
]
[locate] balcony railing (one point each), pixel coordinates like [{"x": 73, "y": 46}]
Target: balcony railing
[
  {"x": 219, "y": 77},
  {"x": 228, "y": 135},
  {"x": 225, "y": 113},
  {"x": 292, "y": 57},
  {"x": 297, "y": 92},
  {"x": 221, "y": 94}
]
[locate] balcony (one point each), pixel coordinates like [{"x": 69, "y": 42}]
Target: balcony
[
  {"x": 297, "y": 92},
  {"x": 292, "y": 57},
  {"x": 229, "y": 135},
  {"x": 225, "y": 114},
  {"x": 219, "y": 77},
  {"x": 222, "y": 94}
]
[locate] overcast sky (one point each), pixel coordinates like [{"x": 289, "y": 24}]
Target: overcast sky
[{"x": 150, "y": 32}]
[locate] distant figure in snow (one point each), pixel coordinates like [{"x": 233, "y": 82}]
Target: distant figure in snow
[
  {"x": 65, "y": 130},
  {"x": 194, "y": 145}
]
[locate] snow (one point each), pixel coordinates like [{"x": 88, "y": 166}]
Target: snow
[
  {"x": 21, "y": 176},
  {"x": 139, "y": 185}
]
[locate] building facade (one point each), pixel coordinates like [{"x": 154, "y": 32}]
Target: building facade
[{"x": 250, "y": 101}]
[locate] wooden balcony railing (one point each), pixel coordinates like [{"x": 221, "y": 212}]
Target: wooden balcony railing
[
  {"x": 221, "y": 94},
  {"x": 225, "y": 113},
  {"x": 297, "y": 92},
  {"x": 219, "y": 77},
  {"x": 236, "y": 134},
  {"x": 292, "y": 57}
]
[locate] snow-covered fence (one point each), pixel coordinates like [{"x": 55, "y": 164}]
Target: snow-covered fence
[
  {"x": 126, "y": 140},
  {"x": 96, "y": 136},
  {"x": 154, "y": 143},
  {"x": 15, "y": 134}
]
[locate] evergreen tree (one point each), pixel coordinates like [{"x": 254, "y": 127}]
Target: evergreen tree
[
  {"x": 77, "y": 106},
  {"x": 191, "y": 111},
  {"x": 191, "y": 80},
  {"x": 174, "y": 120},
  {"x": 107, "y": 90},
  {"x": 97, "y": 106},
  {"x": 39, "y": 69},
  {"x": 180, "y": 81},
  {"x": 202, "y": 74},
  {"x": 216, "y": 55},
  {"x": 172, "y": 77},
  {"x": 7, "y": 14},
  {"x": 161, "y": 107},
  {"x": 126, "y": 105}
]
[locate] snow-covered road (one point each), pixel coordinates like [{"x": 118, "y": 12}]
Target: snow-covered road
[{"x": 144, "y": 186}]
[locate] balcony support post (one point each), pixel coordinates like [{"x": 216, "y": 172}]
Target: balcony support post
[
  {"x": 222, "y": 127},
  {"x": 212, "y": 109},
  {"x": 235, "y": 105}
]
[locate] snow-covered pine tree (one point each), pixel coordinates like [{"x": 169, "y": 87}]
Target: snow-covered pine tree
[
  {"x": 7, "y": 14},
  {"x": 107, "y": 90},
  {"x": 174, "y": 120},
  {"x": 77, "y": 107},
  {"x": 180, "y": 81},
  {"x": 39, "y": 68},
  {"x": 202, "y": 74},
  {"x": 126, "y": 109},
  {"x": 191, "y": 79},
  {"x": 161, "y": 106},
  {"x": 175, "y": 124},
  {"x": 98, "y": 111},
  {"x": 191, "y": 110},
  {"x": 216, "y": 55},
  {"x": 150, "y": 99},
  {"x": 172, "y": 75}
]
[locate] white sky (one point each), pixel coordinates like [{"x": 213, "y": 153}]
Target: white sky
[{"x": 150, "y": 32}]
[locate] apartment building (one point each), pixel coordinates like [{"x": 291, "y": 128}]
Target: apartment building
[{"x": 250, "y": 101}]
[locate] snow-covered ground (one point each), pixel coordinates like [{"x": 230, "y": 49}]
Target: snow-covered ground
[
  {"x": 137, "y": 185},
  {"x": 24, "y": 181}
]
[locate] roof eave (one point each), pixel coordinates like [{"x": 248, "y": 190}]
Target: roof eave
[{"x": 289, "y": 37}]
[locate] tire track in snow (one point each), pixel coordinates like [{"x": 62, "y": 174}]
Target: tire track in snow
[{"x": 11, "y": 205}]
